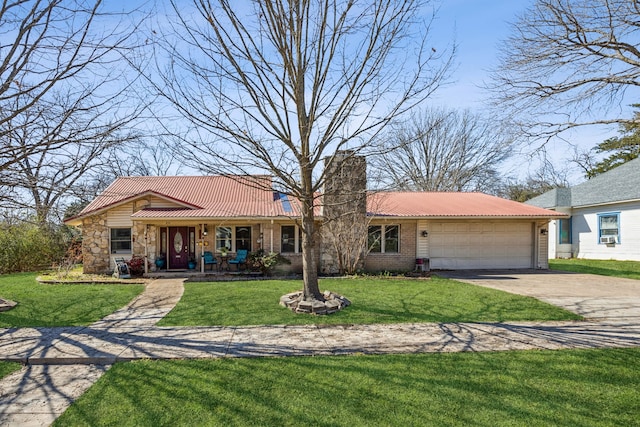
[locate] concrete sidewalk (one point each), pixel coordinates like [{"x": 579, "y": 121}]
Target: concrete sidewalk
[{"x": 105, "y": 347}]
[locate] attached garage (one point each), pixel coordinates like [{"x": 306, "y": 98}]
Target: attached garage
[
  {"x": 455, "y": 245},
  {"x": 458, "y": 231}
]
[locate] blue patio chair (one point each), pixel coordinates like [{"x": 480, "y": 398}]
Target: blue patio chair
[
  {"x": 209, "y": 259},
  {"x": 240, "y": 259}
]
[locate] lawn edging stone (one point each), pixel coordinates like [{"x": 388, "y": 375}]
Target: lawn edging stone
[{"x": 6, "y": 305}]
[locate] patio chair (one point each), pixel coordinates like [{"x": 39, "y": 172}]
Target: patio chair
[
  {"x": 209, "y": 259},
  {"x": 240, "y": 259},
  {"x": 122, "y": 269}
]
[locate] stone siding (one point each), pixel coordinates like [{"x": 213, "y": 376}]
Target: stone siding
[{"x": 95, "y": 245}]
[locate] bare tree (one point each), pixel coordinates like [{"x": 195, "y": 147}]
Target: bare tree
[
  {"x": 619, "y": 150},
  {"x": 567, "y": 63},
  {"x": 278, "y": 86},
  {"x": 67, "y": 50},
  {"x": 442, "y": 150},
  {"x": 545, "y": 178},
  {"x": 41, "y": 181}
]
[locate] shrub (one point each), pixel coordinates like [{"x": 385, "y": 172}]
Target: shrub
[
  {"x": 265, "y": 262},
  {"x": 136, "y": 265},
  {"x": 26, "y": 246}
]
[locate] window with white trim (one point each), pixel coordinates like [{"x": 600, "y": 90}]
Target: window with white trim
[
  {"x": 609, "y": 228},
  {"x": 243, "y": 238},
  {"x": 290, "y": 239},
  {"x": 224, "y": 238},
  {"x": 120, "y": 240},
  {"x": 564, "y": 231},
  {"x": 384, "y": 239},
  {"x": 233, "y": 238}
]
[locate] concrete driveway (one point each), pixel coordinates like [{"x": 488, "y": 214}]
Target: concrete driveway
[{"x": 598, "y": 298}]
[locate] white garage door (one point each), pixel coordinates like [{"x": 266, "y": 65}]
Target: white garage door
[{"x": 469, "y": 245}]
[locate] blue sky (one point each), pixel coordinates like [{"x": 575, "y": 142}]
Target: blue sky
[{"x": 478, "y": 27}]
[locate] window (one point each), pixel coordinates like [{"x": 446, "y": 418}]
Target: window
[
  {"x": 120, "y": 240},
  {"x": 564, "y": 231},
  {"x": 290, "y": 241},
  {"x": 375, "y": 238},
  {"x": 243, "y": 238},
  {"x": 233, "y": 238},
  {"x": 609, "y": 227},
  {"x": 391, "y": 241},
  {"x": 391, "y": 235},
  {"x": 223, "y": 238}
]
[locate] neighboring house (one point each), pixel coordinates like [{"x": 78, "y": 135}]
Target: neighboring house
[
  {"x": 604, "y": 216},
  {"x": 180, "y": 217}
]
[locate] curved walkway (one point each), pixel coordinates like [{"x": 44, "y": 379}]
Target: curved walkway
[
  {"x": 60, "y": 363},
  {"x": 63, "y": 362}
]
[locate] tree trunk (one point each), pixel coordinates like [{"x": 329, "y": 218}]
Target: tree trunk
[{"x": 309, "y": 259}]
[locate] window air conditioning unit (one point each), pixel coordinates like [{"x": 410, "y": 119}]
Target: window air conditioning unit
[{"x": 607, "y": 239}]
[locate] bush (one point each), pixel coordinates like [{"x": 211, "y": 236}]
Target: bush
[
  {"x": 28, "y": 247},
  {"x": 136, "y": 265},
  {"x": 265, "y": 262}
]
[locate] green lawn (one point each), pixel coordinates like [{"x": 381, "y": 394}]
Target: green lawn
[
  {"x": 374, "y": 300},
  {"x": 60, "y": 305},
  {"x": 528, "y": 388},
  {"x": 628, "y": 269},
  {"x": 7, "y": 368}
]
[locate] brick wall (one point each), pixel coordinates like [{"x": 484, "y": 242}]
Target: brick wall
[{"x": 404, "y": 260}]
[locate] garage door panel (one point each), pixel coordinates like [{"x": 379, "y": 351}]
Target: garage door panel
[{"x": 481, "y": 245}]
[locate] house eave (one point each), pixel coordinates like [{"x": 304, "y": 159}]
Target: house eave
[
  {"x": 77, "y": 219},
  {"x": 469, "y": 217},
  {"x": 594, "y": 205}
]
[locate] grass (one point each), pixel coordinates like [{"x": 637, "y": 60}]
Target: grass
[
  {"x": 7, "y": 368},
  {"x": 528, "y": 388},
  {"x": 59, "y": 305},
  {"x": 627, "y": 269},
  {"x": 374, "y": 300}
]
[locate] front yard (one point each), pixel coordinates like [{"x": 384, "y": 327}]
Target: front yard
[
  {"x": 516, "y": 388},
  {"x": 59, "y": 305},
  {"x": 375, "y": 300},
  {"x": 531, "y": 388},
  {"x": 628, "y": 269}
]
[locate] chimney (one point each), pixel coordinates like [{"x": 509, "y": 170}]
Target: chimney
[{"x": 344, "y": 210}]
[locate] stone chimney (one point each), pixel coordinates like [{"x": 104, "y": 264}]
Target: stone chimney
[{"x": 344, "y": 209}]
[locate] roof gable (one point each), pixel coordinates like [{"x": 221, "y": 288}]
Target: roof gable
[
  {"x": 617, "y": 185},
  {"x": 195, "y": 197}
]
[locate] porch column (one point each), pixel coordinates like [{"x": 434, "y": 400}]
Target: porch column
[
  {"x": 271, "y": 238},
  {"x": 202, "y": 248},
  {"x": 146, "y": 249}
]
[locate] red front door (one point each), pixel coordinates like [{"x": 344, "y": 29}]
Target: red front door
[{"x": 178, "y": 247}]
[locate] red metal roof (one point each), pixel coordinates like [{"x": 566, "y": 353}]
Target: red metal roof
[
  {"x": 450, "y": 205},
  {"x": 198, "y": 197}
]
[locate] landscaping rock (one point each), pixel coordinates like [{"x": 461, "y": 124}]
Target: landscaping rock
[
  {"x": 6, "y": 304},
  {"x": 333, "y": 303}
]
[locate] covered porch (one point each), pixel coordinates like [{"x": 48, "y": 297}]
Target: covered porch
[{"x": 209, "y": 248}]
